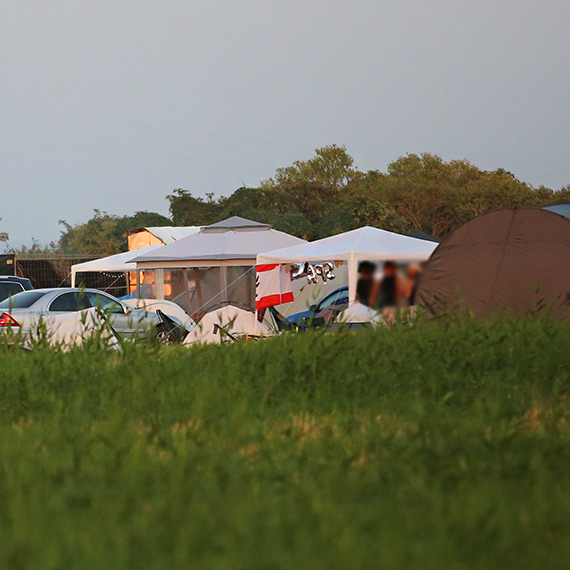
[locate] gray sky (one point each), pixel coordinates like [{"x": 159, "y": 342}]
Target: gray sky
[{"x": 112, "y": 104}]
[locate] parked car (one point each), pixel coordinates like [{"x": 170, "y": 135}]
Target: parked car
[
  {"x": 10, "y": 285},
  {"x": 324, "y": 312},
  {"x": 167, "y": 307},
  {"x": 23, "y": 312}
]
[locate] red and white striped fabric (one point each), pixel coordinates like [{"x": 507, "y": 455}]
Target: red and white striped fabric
[{"x": 272, "y": 286}]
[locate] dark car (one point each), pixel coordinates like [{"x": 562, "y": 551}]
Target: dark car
[
  {"x": 10, "y": 285},
  {"x": 324, "y": 312}
]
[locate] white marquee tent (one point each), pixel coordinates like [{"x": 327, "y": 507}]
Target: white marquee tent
[
  {"x": 228, "y": 242},
  {"x": 118, "y": 263},
  {"x": 366, "y": 243},
  {"x": 213, "y": 266}
]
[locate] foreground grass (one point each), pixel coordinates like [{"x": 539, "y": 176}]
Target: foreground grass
[{"x": 443, "y": 445}]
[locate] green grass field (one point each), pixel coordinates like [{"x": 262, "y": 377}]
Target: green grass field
[{"x": 436, "y": 446}]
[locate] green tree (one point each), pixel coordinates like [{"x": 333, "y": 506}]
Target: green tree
[
  {"x": 313, "y": 189},
  {"x": 330, "y": 169},
  {"x": 326, "y": 194},
  {"x": 270, "y": 206},
  {"x": 105, "y": 234},
  {"x": 368, "y": 202},
  {"x": 145, "y": 220},
  {"x": 423, "y": 192},
  {"x": 189, "y": 210},
  {"x": 427, "y": 192}
]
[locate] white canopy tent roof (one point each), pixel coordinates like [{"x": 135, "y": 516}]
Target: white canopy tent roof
[
  {"x": 120, "y": 262},
  {"x": 366, "y": 243},
  {"x": 235, "y": 241}
]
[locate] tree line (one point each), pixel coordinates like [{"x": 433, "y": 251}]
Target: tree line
[{"x": 327, "y": 194}]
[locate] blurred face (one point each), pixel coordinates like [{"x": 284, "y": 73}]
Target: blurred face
[
  {"x": 413, "y": 270},
  {"x": 366, "y": 271},
  {"x": 389, "y": 271}
]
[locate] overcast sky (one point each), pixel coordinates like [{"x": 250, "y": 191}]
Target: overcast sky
[{"x": 111, "y": 104}]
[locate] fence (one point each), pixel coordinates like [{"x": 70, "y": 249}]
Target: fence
[{"x": 7, "y": 265}]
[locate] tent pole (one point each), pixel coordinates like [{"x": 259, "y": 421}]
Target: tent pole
[
  {"x": 224, "y": 283},
  {"x": 352, "y": 276},
  {"x": 159, "y": 283}
]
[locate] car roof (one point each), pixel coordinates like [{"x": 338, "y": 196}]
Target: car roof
[
  {"x": 13, "y": 278},
  {"x": 344, "y": 288}
]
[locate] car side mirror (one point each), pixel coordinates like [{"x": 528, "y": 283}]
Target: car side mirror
[
  {"x": 313, "y": 308},
  {"x": 128, "y": 310}
]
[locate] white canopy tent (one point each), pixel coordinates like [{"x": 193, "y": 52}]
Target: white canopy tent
[
  {"x": 362, "y": 244},
  {"x": 229, "y": 242},
  {"x": 230, "y": 247},
  {"x": 118, "y": 263}
]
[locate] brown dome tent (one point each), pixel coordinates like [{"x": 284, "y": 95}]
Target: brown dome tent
[{"x": 514, "y": 260}]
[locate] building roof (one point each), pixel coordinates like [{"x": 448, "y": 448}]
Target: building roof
[{"x": 168, "y": 234}]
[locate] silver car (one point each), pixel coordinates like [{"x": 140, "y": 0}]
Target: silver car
[{"x": 23, "y": 312}]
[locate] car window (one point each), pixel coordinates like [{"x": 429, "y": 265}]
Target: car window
[
  {"x": 106, "y": 303},
  {"x": 22, "y": 300},
  {"x": 9, "y": 288},
  {"x": 339, "y": 297},
  {"x": 69, "y": 302}
]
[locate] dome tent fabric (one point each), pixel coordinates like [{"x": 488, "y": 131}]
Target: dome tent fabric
[
  {"x": 234, "y": 320},
  {"x": 514, "y": 260},
  {"x": 359, "y": 313},
  {"x": 366, "y": 243}
]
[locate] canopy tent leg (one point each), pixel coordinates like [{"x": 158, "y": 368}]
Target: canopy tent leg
[
  {"x": 159, "y": 281},
  {"x": 352, "y": 278},
  {"x": 224, "y": 283}
]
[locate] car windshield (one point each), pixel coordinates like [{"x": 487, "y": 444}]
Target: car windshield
[
  {"x": 8, "y": 288},
  {"x": 337, "y": 298},
  {"x": 106, "y": 303},
  {"x": 22, "y": 300}
]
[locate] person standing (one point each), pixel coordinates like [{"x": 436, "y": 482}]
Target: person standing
[
  {"x": 365, "y": 286},
  {"x": 391, "y": 291}
]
